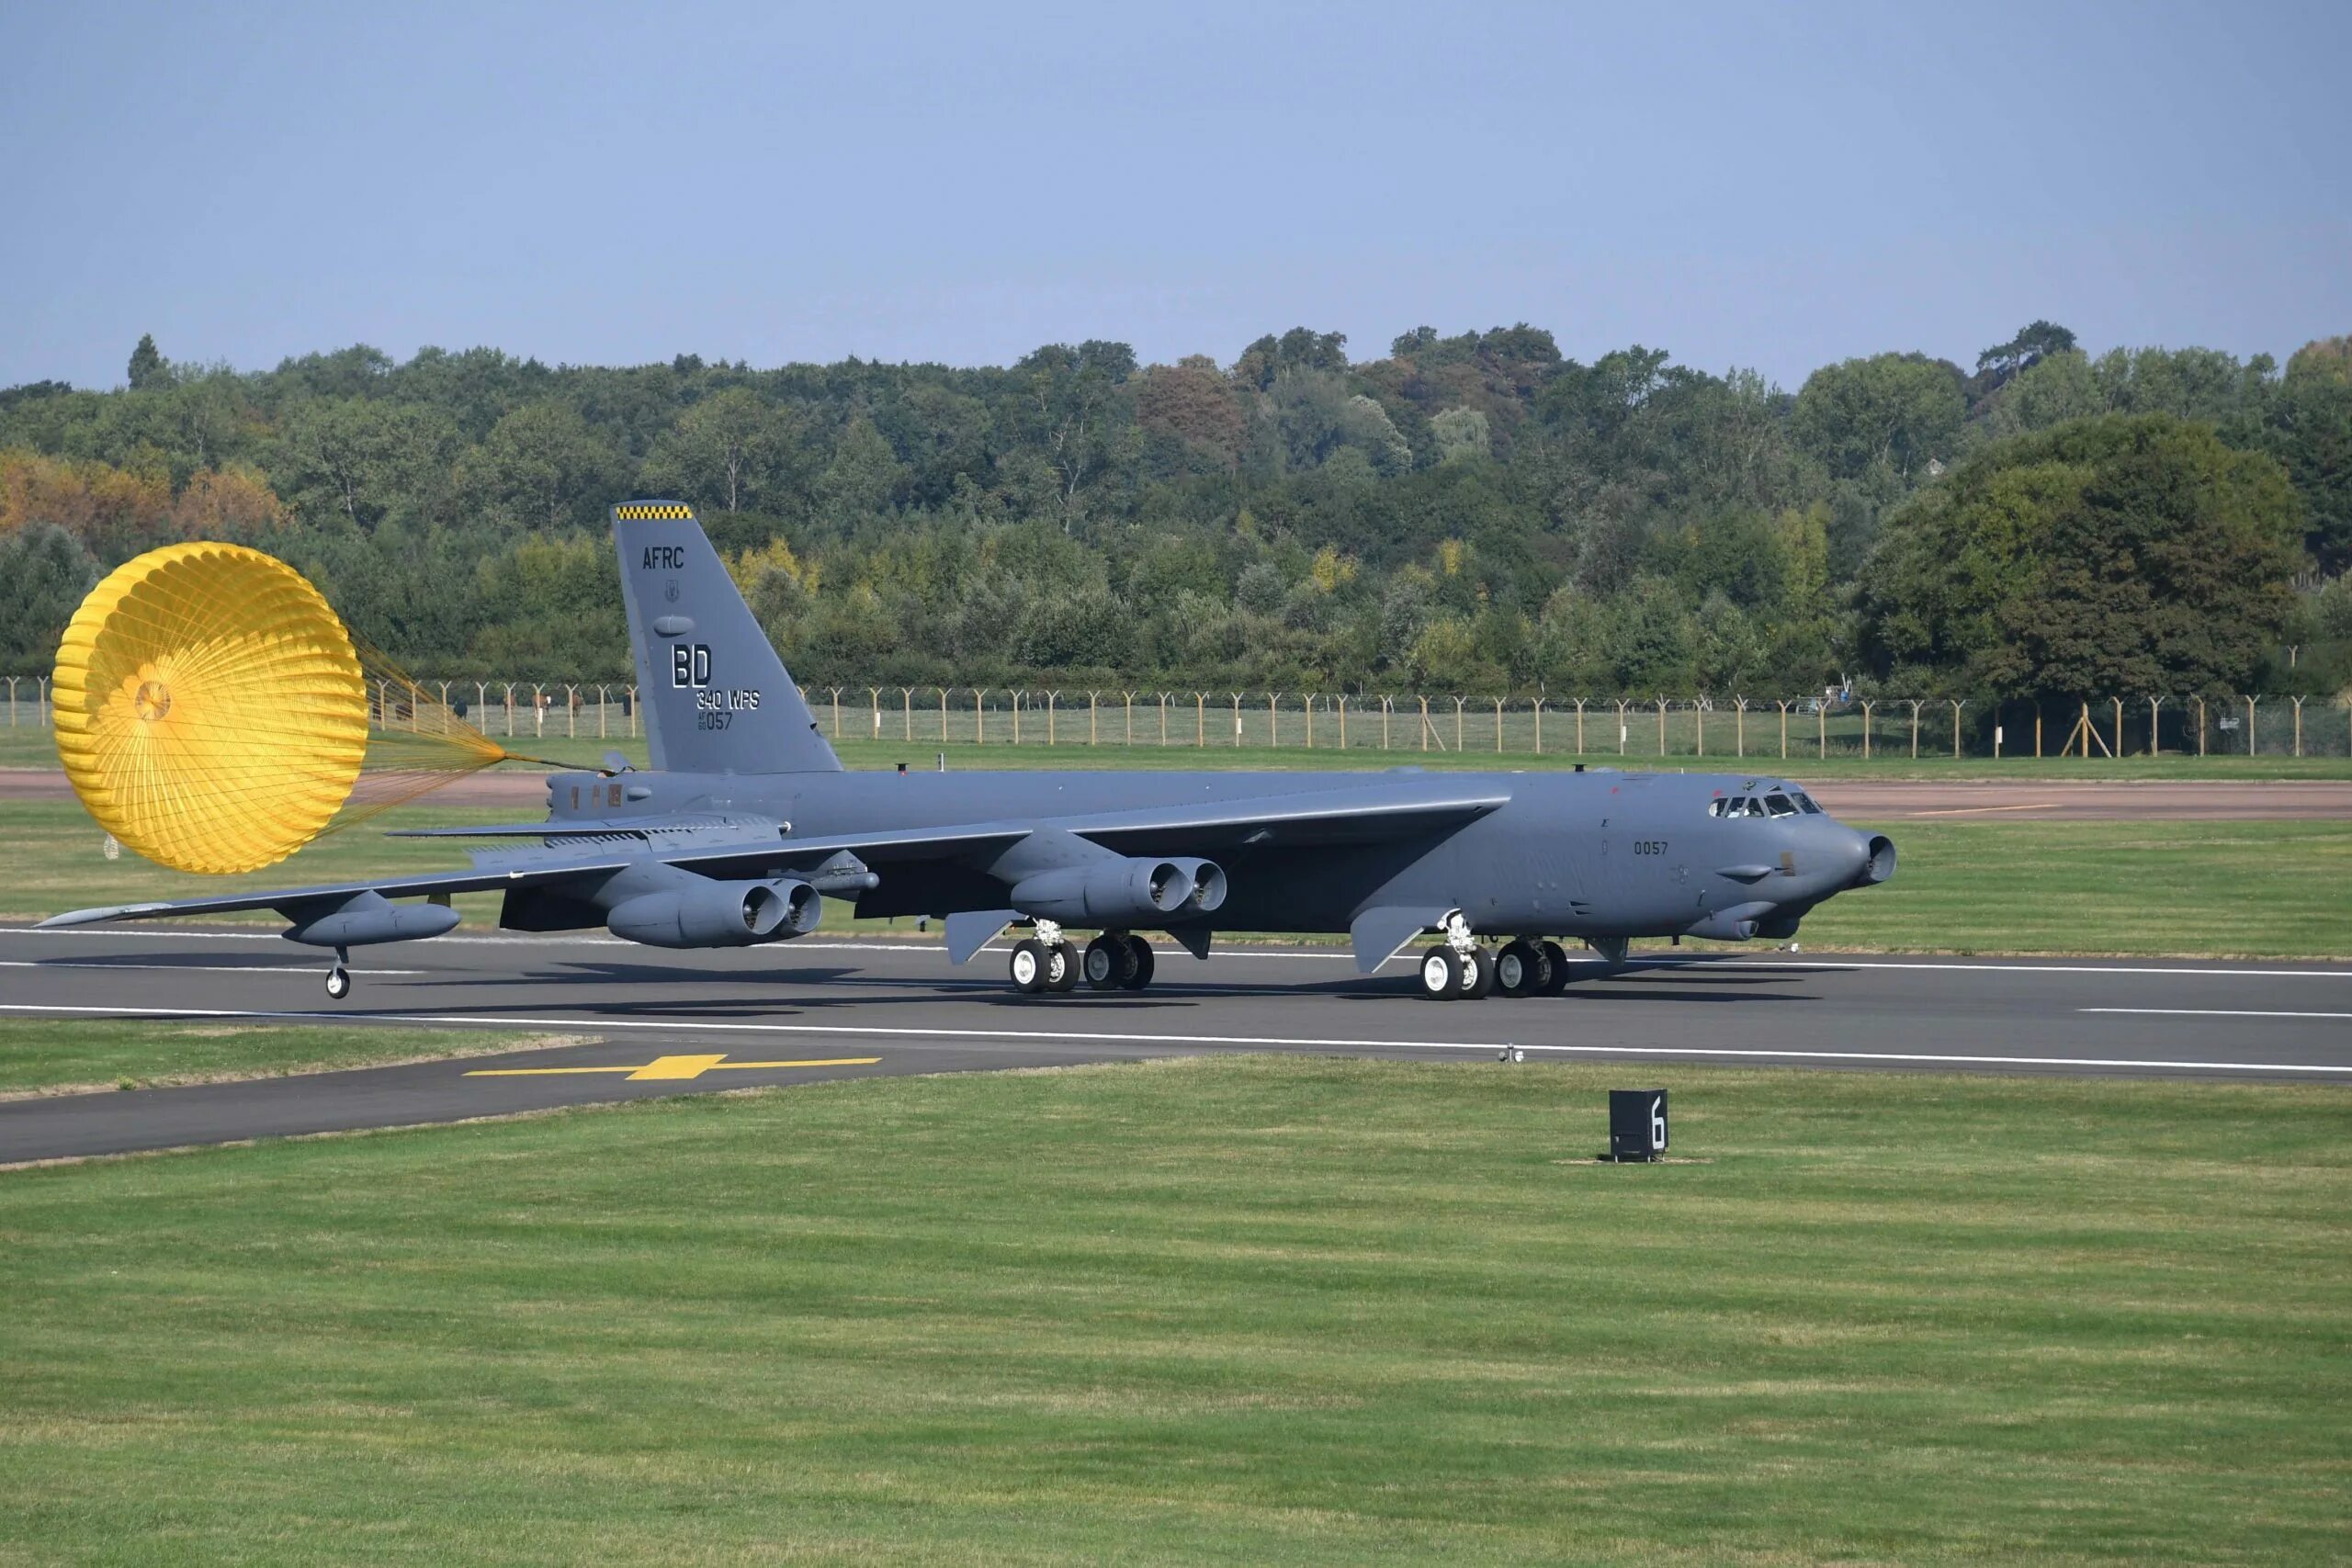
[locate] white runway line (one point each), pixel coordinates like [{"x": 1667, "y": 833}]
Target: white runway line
[
  {"x": 2211, "y": 1012},
  {"x": 1089, "y": 1037}
]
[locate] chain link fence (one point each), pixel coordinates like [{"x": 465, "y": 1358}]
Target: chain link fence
[{"x": 1631, "y": 728}]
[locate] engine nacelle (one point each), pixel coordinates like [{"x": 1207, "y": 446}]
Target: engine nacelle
[
  {"x": 1208, "y": 885},
  {"x": 719, "y": 914},
  {"x": 1139, "y": 891}
]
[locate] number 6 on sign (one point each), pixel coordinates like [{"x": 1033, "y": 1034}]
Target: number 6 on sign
[{"x": 1657, "y": 1124}]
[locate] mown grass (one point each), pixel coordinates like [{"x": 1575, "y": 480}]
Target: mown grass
[
  {"x": 2211, "y": 889},
  {"x": 1229, "y": 1310},
  {"x": 42, "y": 1055},
  {"x": 2253, "y": 890}
]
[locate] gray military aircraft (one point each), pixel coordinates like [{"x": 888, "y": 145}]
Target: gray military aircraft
[{"x": 746, "y": 820}]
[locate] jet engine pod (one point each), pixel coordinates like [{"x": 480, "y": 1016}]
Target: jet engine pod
[
  {"x": 717, "y": 914},
  {"x": 1111, "y": 893},
  {"x": 1207, "y": 889},
  {"x": 1879, "y": 864}
]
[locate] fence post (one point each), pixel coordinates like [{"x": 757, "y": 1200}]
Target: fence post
[
  {"x": 2249, "y": 726},
  {"x": 1498, "y": 726},
  {"x": 12, "y": 700},
  {"x": 634, "y": 704},
  {"x": 1053, "y": 705},
  {"x": 1997, "y": 729},
  {"x": 1384, "y": 706},
  {"x": 1699, "y": 717},
  {"x": 1237, "y": 721},
  {"x": 980, "y": 719},
  {"x": 1624, "y": 727},
  {"x": 1343, "y": 721},
  {"x": 603, "y": 722},
  {"x": 1866, "y": 731},
  {"x": 1458, "y": 745},
  {"x": 1739, "y": 727},
  {"x": 41, "y": 700},
  {"x": 1661, "y": 727},
  {"x": 837, "y": 712},
  {"x": 2154, "y": 729},
  {"x": 1425, "y": 724},
  {"x": 1273, "y": 721},
  {"x": 510, "y": 709},
  {"x": 1955, "y": 728},
  {"x": 1579, "y": 727},
  {"x": 1307, "y": 704},
  {"x": 1200, "y": 721},
  {"x": 1016, "y": 717},
  {"x": 2299, "y": 726},
  {"x": 1824, "y": 712},
  {"x": 570, "y": 713},
  {"x": 1915, "y": 729},
  {"x": 1539, "y": 726},
  {"x": 1130, "y": 728},
  {"x": 2201, "y": 725},
  {"x": 1093, "y": 717},
  {"x": 1784, "y": 730},
  {"x": 2119, "y": 725}
]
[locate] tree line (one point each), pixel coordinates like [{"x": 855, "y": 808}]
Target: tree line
[{"x": 1468, "y": 512}]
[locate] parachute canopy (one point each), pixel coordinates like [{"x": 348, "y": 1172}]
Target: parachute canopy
[{"x": 214, "y": 715}]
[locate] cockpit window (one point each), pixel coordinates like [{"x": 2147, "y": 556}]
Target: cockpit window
[
  {"x": 1804, "y": 803},
  {"x": 1715, "y": 806},
  {"x": 1780, "y": 806}
]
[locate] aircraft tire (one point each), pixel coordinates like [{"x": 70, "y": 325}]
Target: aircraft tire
[
  {"x": 1107, "y": 960},
  {"x": 1061, "y": 968},
  {"x": 1439, "y": 974},
  {"x": 338, "y": 983},
  {"x": 1556, "y": 971},
  {"x": 1519, "y": 969},
  {"x": 1139, "y": 975},
  {"x": 1028, "y": 965},
  {"x": 1477, "y": 974}
]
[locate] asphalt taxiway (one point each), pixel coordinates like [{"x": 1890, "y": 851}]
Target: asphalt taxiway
[{"x": 656, "y": 1022}]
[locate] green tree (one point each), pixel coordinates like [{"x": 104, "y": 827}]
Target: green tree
[
  {"x": 1893, "y": 412},
  {"x": 2114, "y": 556},
  {"x": 44, "y": 574},
  {"x": 542, "y": 466},
  {"x": 864, "y": 476},
  {"x": 731, "y": 450},
  {"x": 2310, "y": 430},
  {"x": 147, "y": 367}
]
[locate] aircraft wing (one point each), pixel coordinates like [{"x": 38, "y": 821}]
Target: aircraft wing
[
  {"x": 429, "y": 885},
  {"x": 1324, "y": 816}
]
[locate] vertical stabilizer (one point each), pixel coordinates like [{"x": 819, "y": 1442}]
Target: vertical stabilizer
[{"x": 715, "y": 697}]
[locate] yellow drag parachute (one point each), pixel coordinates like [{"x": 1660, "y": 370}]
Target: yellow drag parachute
[{"x": 214, "y": 715}]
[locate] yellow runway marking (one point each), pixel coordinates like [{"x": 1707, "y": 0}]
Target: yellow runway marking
[
  {"x": 1978, "y": 810},
  {"x": 668, "y": 1067}
]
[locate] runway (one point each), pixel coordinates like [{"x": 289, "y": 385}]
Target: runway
[
  {"x": 1859, "y": 800},
  {"x": 668, "y": 1023}
]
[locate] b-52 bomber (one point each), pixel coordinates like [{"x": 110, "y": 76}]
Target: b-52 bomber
[{"x": 747, "y": 821}]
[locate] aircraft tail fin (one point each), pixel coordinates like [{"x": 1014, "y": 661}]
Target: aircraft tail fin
[{"x": 716, "y": 698}]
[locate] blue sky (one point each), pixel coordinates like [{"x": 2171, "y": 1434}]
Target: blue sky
[{"x": 1758, "y": 185}]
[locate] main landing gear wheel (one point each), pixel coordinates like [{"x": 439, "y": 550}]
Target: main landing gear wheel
[
  {"x": 1061, "y": 968},
  {"x": 1520, "y": 969},
  {"x": 338, "y": 983},
  {"x": 1139, "y": 976},
  {"x": 1107, "y": 962},
  {"x": 1478, "y": 973},
  {"x": 1028, "y": 965},
  {"x": 1556, "y": 970},
  {"x": 1440, "y": 974}
]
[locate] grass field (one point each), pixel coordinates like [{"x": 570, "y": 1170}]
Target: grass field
[
  {"x": 1232, "y": 1310},
  {"x": 2249, "y": 889},
  {"x": 27, "y": 746},
  {"x": 38, "y": 1056}
]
